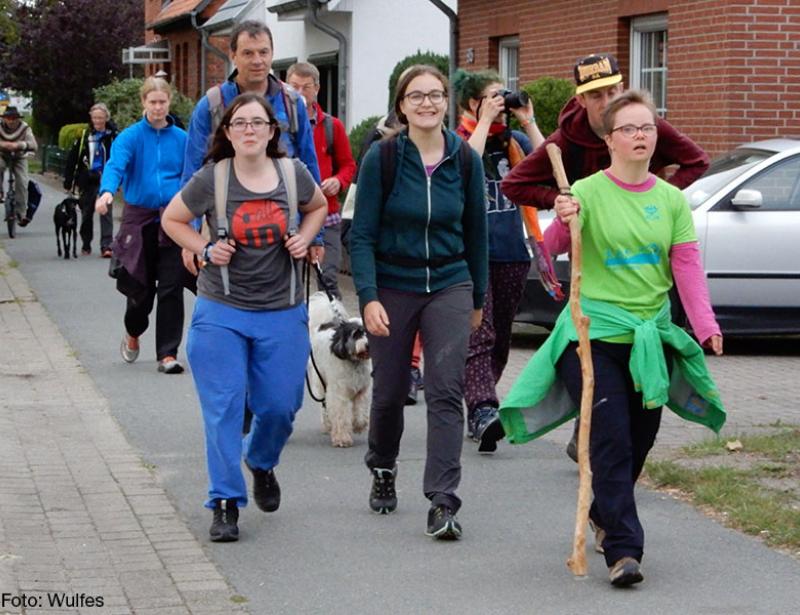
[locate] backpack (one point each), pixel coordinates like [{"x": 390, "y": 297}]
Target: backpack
[
  {"x": 286, "y": 172},
  {"x": 216, "y": 108},
  {"x": 327, "y": 123},
  {"x": 388, "y": 154}
]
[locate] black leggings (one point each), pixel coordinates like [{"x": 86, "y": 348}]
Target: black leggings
[{"x": 623, "y": 432}]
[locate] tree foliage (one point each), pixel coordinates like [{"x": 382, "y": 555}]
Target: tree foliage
[
  {"x": 359, "y": 132},
  {"x": 8, "y": 25},
  {"x": 64, "y": 49},
  {"x": 440, "y": 61},
  {"x": 549, "y": 97},
  {"x": 123, "y": 102}
]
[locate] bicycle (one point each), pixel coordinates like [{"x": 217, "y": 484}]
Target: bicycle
[{"x": 10, "y": 205}]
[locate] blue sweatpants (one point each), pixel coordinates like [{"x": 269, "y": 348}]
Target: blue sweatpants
[{"x": 236, "y": 353}]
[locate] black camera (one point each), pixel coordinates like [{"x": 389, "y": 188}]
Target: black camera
[{"x": 514, "y": 100}]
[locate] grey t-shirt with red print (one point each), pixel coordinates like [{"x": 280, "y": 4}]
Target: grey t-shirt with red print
[{"x": 260, "y": 270}]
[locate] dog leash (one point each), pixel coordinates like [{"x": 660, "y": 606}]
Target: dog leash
[{"x": 307, "y": 276}]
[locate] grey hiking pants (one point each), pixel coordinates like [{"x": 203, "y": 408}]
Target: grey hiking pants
[{"x": 443, "y": 319}]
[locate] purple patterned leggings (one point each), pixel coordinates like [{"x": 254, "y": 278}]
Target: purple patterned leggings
[{"x": 490, "y": 344}]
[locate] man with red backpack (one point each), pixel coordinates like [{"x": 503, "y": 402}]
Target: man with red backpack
[{"x": 336, "y": 164}]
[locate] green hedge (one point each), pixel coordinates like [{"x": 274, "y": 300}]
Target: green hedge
[
  {"x": 359, "y": 132},
  {"x": 549, "y": 97},
  {"x": 69, "y": 133},
  {"x": 122, "y": 100}
]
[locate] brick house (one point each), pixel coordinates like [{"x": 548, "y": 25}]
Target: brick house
[
  {"x": 722, "y": 71},
  {"x": 173, "y": 25}
]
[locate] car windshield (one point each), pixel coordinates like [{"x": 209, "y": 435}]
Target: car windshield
[{"x": 722, "y": 171}]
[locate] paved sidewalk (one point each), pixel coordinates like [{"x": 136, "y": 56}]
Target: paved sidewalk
[{"x": 82, "y": 518}]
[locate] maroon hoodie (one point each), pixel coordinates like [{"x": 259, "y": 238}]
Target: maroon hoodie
[{"x": 531, "y": 181}]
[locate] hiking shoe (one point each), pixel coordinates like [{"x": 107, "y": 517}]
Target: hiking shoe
[
  {"x": 170, "y": 365},
  {"x": 414, "y": 387},
  {"x": 442, "y": 523},
  {"x": 486, "y": 428},
  {"x": 599, "y": 536},
  {"x": 572, "y": 445},
  {"x": 224, "y": 527},
  {"x": 383, "y": 497},
  {"x": 266, "y": 490},
  {"x": 625, "y": 572},
  {"x": 129, "y": 348}
]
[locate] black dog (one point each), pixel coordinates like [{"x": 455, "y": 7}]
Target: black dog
[{"x": 65, "y": 218}]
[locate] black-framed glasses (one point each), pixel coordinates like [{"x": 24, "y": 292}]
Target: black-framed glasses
[
  {"x": 257, "y": 124},
  {"x": 630, "y": 130},
  {"x": 416, "y": 97}
]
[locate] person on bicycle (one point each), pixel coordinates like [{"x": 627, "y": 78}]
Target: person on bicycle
[{"x": 16, "y": 142}]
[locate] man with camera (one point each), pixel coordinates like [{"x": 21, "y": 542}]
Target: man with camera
[{"x": 580, "y": 137}]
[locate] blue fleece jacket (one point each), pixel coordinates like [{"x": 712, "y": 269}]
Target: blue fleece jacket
[
  {"x": 424, "y": 218},
  {"x": 147, "y": 162},
  {"x": 301, "y": 146}
]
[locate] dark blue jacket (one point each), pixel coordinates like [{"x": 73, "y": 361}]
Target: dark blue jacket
[{"x": 422, "y": 219}]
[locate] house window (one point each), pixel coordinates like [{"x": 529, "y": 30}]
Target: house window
[
  {"x": 328, "y": 65},
  {"x": 508, "y": 60},
  {"x": 649, "y": 57}
]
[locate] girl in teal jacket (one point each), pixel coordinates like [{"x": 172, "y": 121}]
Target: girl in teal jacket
[{"x": 420, "y": 260}]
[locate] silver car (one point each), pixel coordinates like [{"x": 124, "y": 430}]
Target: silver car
[{"x": 746, "y": 210}]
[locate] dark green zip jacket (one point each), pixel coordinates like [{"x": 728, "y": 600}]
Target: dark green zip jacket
[{"x": 424, "y": 220}]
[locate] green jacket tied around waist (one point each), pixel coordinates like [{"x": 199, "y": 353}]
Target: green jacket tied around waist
[{"x": 538, "y": 402}]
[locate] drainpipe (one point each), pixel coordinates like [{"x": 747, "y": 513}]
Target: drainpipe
[
  {"x": 452, "y": 111},
  {"x": 208, "y": 47},
  {"x": 313, "y": 17}
]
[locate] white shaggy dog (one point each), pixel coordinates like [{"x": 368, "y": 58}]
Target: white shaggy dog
[{"x": 340, "y": 350}]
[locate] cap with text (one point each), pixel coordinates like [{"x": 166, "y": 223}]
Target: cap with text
[{"x": 598, "y": 70}]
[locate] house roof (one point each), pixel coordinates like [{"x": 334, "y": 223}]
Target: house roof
[
  {"x": 228, "y": 14},
  {"x": 282, "y": 7},
  {"x": 176, "y": 10}
]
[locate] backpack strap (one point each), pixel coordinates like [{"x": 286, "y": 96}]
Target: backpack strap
[
  {"x": 290, "y": 103},
  {"x": 216, "y": 108},
  {"x": 222, "y": 175},
  {"x": 387, "y": 148},
  {"x": 465, "y": 164},
  {"x": 286, "y": 171},
  {"x": 327, "y": 124}
]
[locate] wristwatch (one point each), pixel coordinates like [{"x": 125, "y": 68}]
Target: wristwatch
[{"x": 206, "y": 253}]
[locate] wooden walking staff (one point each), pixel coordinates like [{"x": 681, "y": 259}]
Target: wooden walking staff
[{"x": 577, "y": 561}]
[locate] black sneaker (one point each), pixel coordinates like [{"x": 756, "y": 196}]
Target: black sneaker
[
  {"x": 442, "y": 523},
  {"x": 224, "y": 528},
  {"x": 486, "y": 428},
  {"x": 415, "y": 386},
  {"x": 383, "y": 497},
  {"x": 625, "y": 572},
  {"x": 266, "y": 490},
  {"x": 572, "y": 445}
]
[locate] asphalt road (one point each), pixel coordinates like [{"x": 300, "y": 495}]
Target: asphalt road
[{"x": 323, "y": 552}]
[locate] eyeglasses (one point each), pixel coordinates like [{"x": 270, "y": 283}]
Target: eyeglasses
[
  {"x": 258, "y": 124},
  {"x": 629, "y": 130},
  {"x": 416, "y": 98}
]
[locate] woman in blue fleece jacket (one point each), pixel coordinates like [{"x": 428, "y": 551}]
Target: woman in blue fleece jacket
[
  {"x": 147, "y": 160},
  {"x": 420, "y": 261}
]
